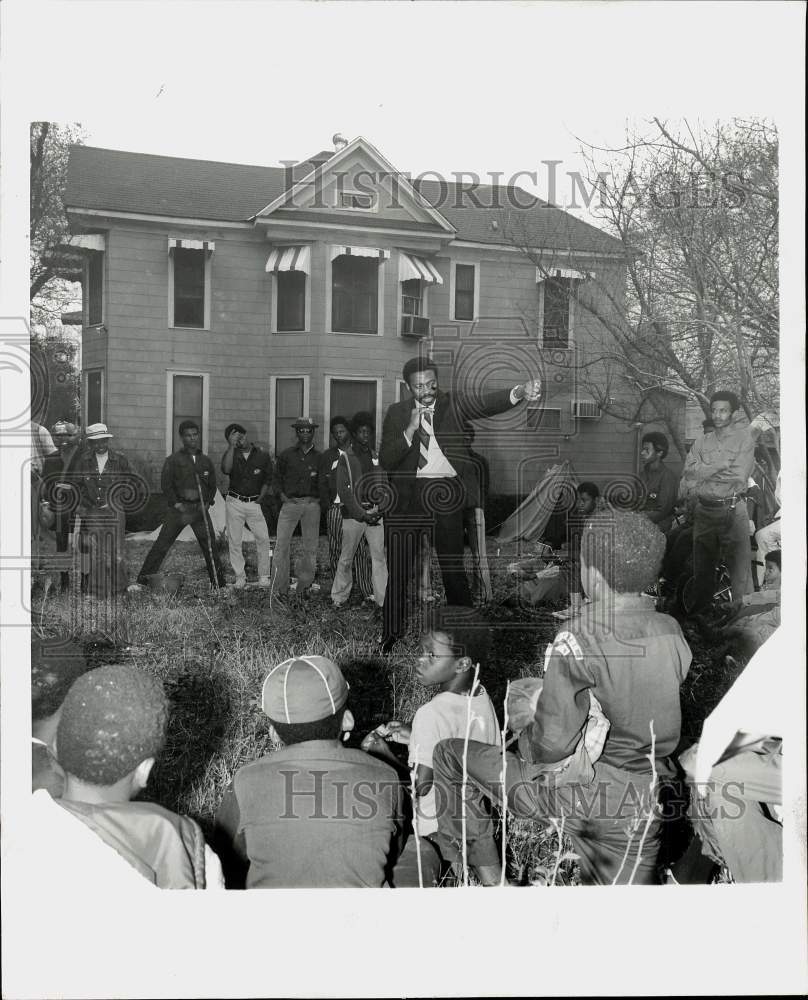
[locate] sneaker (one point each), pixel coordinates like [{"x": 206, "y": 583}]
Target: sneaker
[
  {"x": 134, "y": 588},
  {"x": 264, "y": 581},
  {"x": 240, "y": 584},
  {"x": 315, "y": 587}
]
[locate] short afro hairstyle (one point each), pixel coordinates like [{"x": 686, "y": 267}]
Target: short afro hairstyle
[
  {"x": 625, "y": 547},
  {"x": 774, "y": 557},
  {"x": 233, "y": 427},
  {"x": 55, "y": 664},
  {"x": 328, "y": 728},
  {"x": 724, "y": 396},
  {"x": 658, "y": 440},
  {"x": 113, "y": 719},
  {"x": 362, "y": 419},
  {"x": 187, "y": 425},
  {"x": 590, "y": 489},
  {"x": 334, "y": 421},
  {"x": 414, "y": 365},
  {"x": 469, "y": 632}
]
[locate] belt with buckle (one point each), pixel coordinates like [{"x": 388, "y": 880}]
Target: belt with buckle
[
  {"x": 721, "y": 501},
  {"x": 238, "y": 496}
]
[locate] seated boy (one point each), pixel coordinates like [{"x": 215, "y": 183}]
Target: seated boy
[
  {"x": 313, "y": 814},
  {"x": 112, "y": 728},
  {"x": 633, "y": 660},
  {"x": 55, "y": 664},
  {"x": 759, "y": 613},
  {"x": 457, "y": 640}
]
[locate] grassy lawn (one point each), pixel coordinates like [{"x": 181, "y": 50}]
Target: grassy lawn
[{"x": 213, "y": 650}]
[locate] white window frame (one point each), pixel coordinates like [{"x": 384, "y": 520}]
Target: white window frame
[
  {"x": 273, "y": 311},
  {"x": 351, "y": 377},
  {"x": 84, "y": 377},
  {"x": 399, "y": 383},
  {"x": 570, "y": 323},
  {"x": 205, "y": 376},
  {"x": 208, "y": 269},
  {"x": 273, "y": 392},
  {"x": 85, "y": 288},
  {"x": 381, "y": 266},
  {"x": 453, "y": 284},
  {"x": 400, "y": 306}
]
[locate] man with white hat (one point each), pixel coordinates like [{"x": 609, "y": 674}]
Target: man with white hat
[
  {"x": 107, "y": 490},
  {"x": 60, "y": 489}
]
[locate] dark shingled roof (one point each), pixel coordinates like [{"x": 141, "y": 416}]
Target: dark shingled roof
[{"x": 232, "y": 192}]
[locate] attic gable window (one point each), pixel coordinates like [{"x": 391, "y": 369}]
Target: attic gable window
[
  {"x": 356, "y": 200},
  {"x": 189, "y": 282}
]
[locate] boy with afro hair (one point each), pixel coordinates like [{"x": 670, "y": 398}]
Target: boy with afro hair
[
  {"x": 633, "y": 660},
  {"x": 112, "y": 729}
]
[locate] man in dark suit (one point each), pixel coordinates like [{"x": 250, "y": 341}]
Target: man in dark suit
[
  {"x": 427, "y": 460},
  {"x": 60, "y": 483}
]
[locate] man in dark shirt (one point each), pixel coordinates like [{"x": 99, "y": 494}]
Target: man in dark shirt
[
  {"x": 188, "y": 483},
  {"x": 633, "y": 660},
  {"x": 660, "y": 485},
  {"x": 249, "y": 469},
  {"x": 327, "y": 483},
  {"x": 296, "y": 482}
]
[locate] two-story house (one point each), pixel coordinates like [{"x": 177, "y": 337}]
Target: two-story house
[{"x": 228, "y": 292}]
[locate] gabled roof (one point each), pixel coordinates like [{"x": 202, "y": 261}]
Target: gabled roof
[{"x": 174, "y": 187}]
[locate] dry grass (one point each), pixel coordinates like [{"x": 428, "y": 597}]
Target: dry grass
[{"x": 213, "y": 653}]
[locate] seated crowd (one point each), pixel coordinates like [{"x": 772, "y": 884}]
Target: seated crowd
[{"x": 595, "y": 735}]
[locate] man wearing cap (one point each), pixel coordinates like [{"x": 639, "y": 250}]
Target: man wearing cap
[
  {"x": 188, "y": 483},
  {"x": 107, "y": 489},
  {"x": 315, "y": 813},
  {"x": 249, "y": 469},
  {"x": 60, "y": 489},
  {"x": 296, "y": 481}
]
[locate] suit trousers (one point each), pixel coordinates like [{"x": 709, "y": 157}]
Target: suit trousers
[{"x": 436, "y": 509}]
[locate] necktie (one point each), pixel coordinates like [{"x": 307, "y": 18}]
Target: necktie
[{"x": 424, "y": 434}]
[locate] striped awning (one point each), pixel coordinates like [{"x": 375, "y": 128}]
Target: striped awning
[
  {"x": 183, "y": 244},
  {"x": 93, "y": 241},
  {"x": 290, "y": 259},
  {"x": 410, "y": 267},
  {"x": 560, "y": 272},
  {"x": 380, "y": 255}
]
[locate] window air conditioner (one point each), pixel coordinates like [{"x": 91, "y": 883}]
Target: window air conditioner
[
  {"x": 585, "y": 409},
  {"x": 414, "y": 326}
]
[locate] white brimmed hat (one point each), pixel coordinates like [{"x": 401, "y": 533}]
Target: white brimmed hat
[{"x": 95, "y": 432}]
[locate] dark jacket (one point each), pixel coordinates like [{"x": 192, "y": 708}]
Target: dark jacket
[
  {"x": 358, "y": 482},
  {"x": 452, "y": 411},
  {"x": 63, "y": 501},
  {"x": 297, "y": 473},
  {"x": 113, "y": 488},
  {"x": 179, "y": 478},
  {"x": 327, "y": 476}
]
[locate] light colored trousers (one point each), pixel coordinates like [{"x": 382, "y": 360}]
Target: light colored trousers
[
  {"x": 352, "y": 534},
  {"x": 306, "y": 512},
  {"x": 238, "y": 513},
  {"x": 767, "y": 539}
]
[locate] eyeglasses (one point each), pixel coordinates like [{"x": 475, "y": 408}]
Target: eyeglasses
[{"x": 424, "y": 387}]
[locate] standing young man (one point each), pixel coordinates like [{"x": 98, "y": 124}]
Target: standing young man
[
  {"x": 660, "y": 485},
  {"x": 60, "y": 489},
  {"x": 427, "y": 461},
  {"x": 716, "y": 473},
  {"x": 296, "y": 481},
  {"x": 249, "y": 469},
  {"x": 106, "y": 480},
  {"x": 327, "y": 483},
  {"x": 188, "y": 483}
]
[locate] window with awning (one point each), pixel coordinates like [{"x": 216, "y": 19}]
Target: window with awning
[
  {"x": 355, "y": 288},
  {"x": 290, "y": 266},
  {"x": 175, "y": 243}
]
